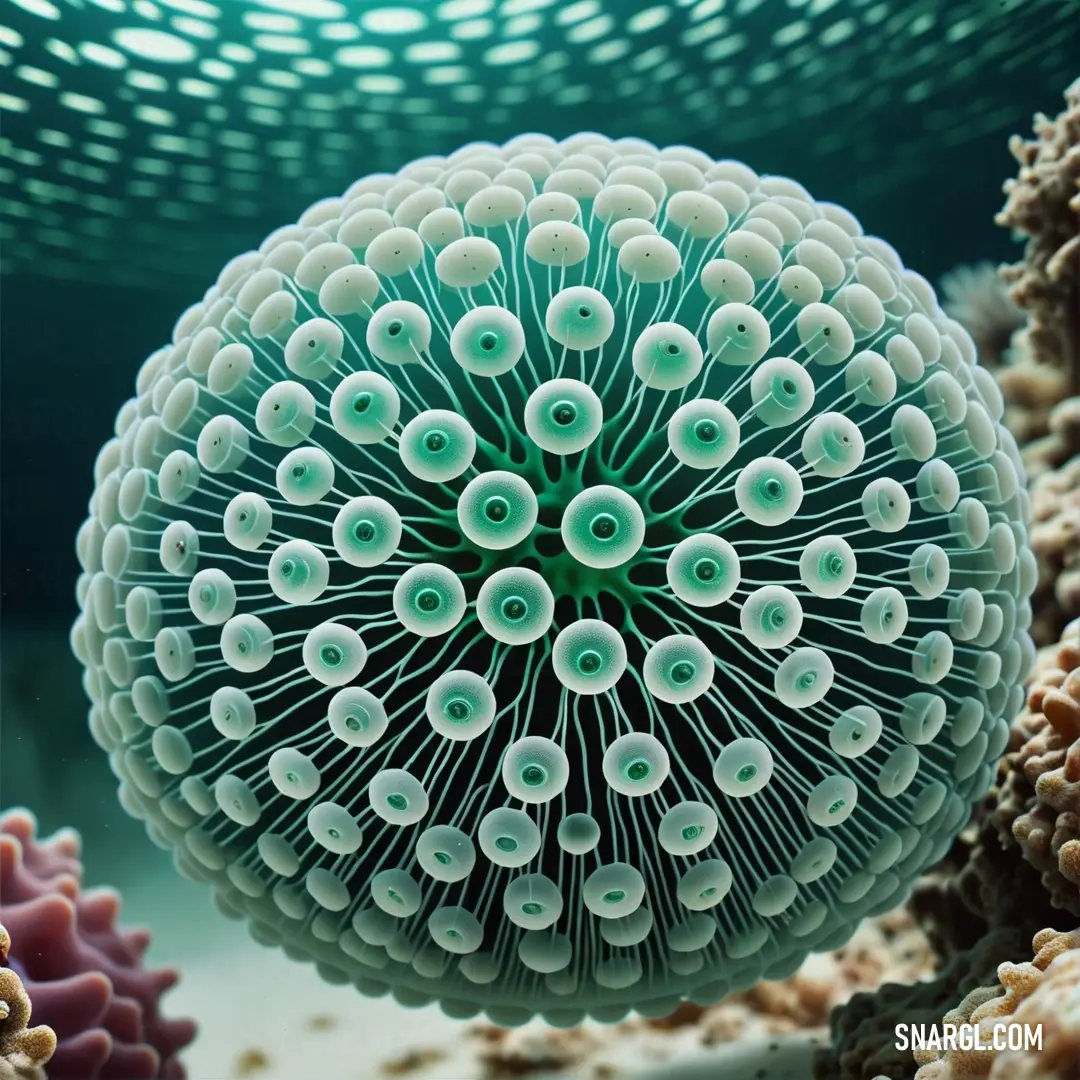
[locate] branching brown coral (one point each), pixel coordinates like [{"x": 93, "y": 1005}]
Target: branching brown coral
[
  {"x": 1033, "y": 394},
  {"x": 1043, "y": 203},
  {"x": 1050, "y": 973},
  {"x": 1055, "y": 542},
  {"x": 1039, "y": 804},
  {"x": 1058, "y": 442},
  {"x": 24, "y": 1050}
]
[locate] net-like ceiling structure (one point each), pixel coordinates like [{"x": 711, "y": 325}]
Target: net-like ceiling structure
[{"x": 144, "y": 140}]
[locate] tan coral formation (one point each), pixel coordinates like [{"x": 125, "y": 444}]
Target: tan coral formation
[
  {"x": 1039, "y": 804},
  {"x": 1057, "y": 441},
  {"x": 1043, "y": 203},
  {"x": 1033, "y": 394},
  {"x": 1045, "y": 991},
  {"x": 1037, "y": 366},
  {"x": 1056, "y": 1006},
  {"x": 1055, "y": 542},
  {"x": 24, "y": 1050},
  {"x": 1013, "y": 867}
]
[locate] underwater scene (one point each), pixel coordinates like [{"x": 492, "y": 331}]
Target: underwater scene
[{"x": 540, "y": 540}]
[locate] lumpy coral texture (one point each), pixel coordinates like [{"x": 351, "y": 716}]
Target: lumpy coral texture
[
  {"x": 24, "y": 1050},
  {"x": 83, "y": 974},
  {"x": 1043, "y": 204},
  {"x": 559, "y": 577},
  {"x": 1039, "y": 805},
  {"x": 1041, "y": 995}
]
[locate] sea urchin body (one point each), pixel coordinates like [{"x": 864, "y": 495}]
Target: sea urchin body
[{"x": 558, "y": 578}]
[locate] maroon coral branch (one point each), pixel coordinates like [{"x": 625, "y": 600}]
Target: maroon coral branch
[{"x": 84, "y": 975}]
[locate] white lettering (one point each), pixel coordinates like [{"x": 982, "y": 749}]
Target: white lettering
[{"x": 943, "y": 1038}]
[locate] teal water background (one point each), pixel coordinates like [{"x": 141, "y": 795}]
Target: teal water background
[{"x": 903, "y": 117}]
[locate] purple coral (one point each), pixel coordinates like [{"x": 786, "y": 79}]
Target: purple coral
[{"x": 83, "y": 974}]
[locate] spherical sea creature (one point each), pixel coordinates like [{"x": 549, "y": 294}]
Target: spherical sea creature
[{"x": 557, "y": 579}]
